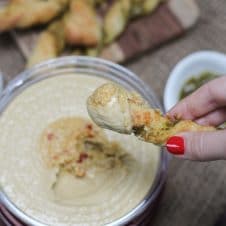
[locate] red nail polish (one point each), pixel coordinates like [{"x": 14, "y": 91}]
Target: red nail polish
[{"x": 175, "y": 145}]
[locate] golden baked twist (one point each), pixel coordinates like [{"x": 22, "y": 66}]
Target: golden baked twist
[
  {"x": 78, "y": 26},
  {"x": 113, "y": 107},
  {"x": 116, "y": 19},
  {"x": 82, "y": 25},
  {"x": 143, "y": 7},
  {"x": 49, "y": 45},
  {"x": 27, "y": 13},
  {"x": 121, "y": 12}
]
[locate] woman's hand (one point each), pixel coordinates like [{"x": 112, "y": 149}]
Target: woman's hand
[{"x": 206, "y": 106}]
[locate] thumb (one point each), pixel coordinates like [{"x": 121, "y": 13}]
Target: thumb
[{"x": 201, "y": 146}]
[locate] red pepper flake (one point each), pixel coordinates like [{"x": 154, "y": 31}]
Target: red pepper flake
[
  {"x": 90, "y": 135},
  {"x": 89, "y": 126},
  {"x": 82, "y": 157},
  {"x": 50, "y": 136}
]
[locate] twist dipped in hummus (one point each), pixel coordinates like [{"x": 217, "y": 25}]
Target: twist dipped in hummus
[{"x": 115, "y": 108}]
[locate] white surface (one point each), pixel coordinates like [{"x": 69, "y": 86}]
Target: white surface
[{"x": 190, "y": 66}]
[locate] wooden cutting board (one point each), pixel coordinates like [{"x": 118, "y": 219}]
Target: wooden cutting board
[{"x": 172, "y": 19}]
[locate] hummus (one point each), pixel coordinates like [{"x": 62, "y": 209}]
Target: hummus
[{"x": 94, "y": 199}]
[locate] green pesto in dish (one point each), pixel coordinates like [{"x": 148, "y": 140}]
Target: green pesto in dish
[{"x": 195, "y": 82}]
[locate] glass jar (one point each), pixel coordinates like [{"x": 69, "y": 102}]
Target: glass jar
[{"x": 110, "y": 71}]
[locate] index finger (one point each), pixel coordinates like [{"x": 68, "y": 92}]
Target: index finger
[{"x": 207, "y": 98}]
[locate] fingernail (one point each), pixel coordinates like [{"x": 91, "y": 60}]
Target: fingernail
[{"x": 175, "y": 145}]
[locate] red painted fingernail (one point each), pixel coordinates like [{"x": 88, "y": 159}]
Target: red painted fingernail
[{"x": 175, "y": 145}]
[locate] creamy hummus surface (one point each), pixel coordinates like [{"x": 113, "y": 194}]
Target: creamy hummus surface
[{"x": 31, "y": 172}]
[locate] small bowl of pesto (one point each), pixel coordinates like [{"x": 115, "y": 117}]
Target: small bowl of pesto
[{"x": 192, "y": 72}]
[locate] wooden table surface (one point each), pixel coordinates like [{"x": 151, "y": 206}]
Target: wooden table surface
[{"x": 195, "y": 193}]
